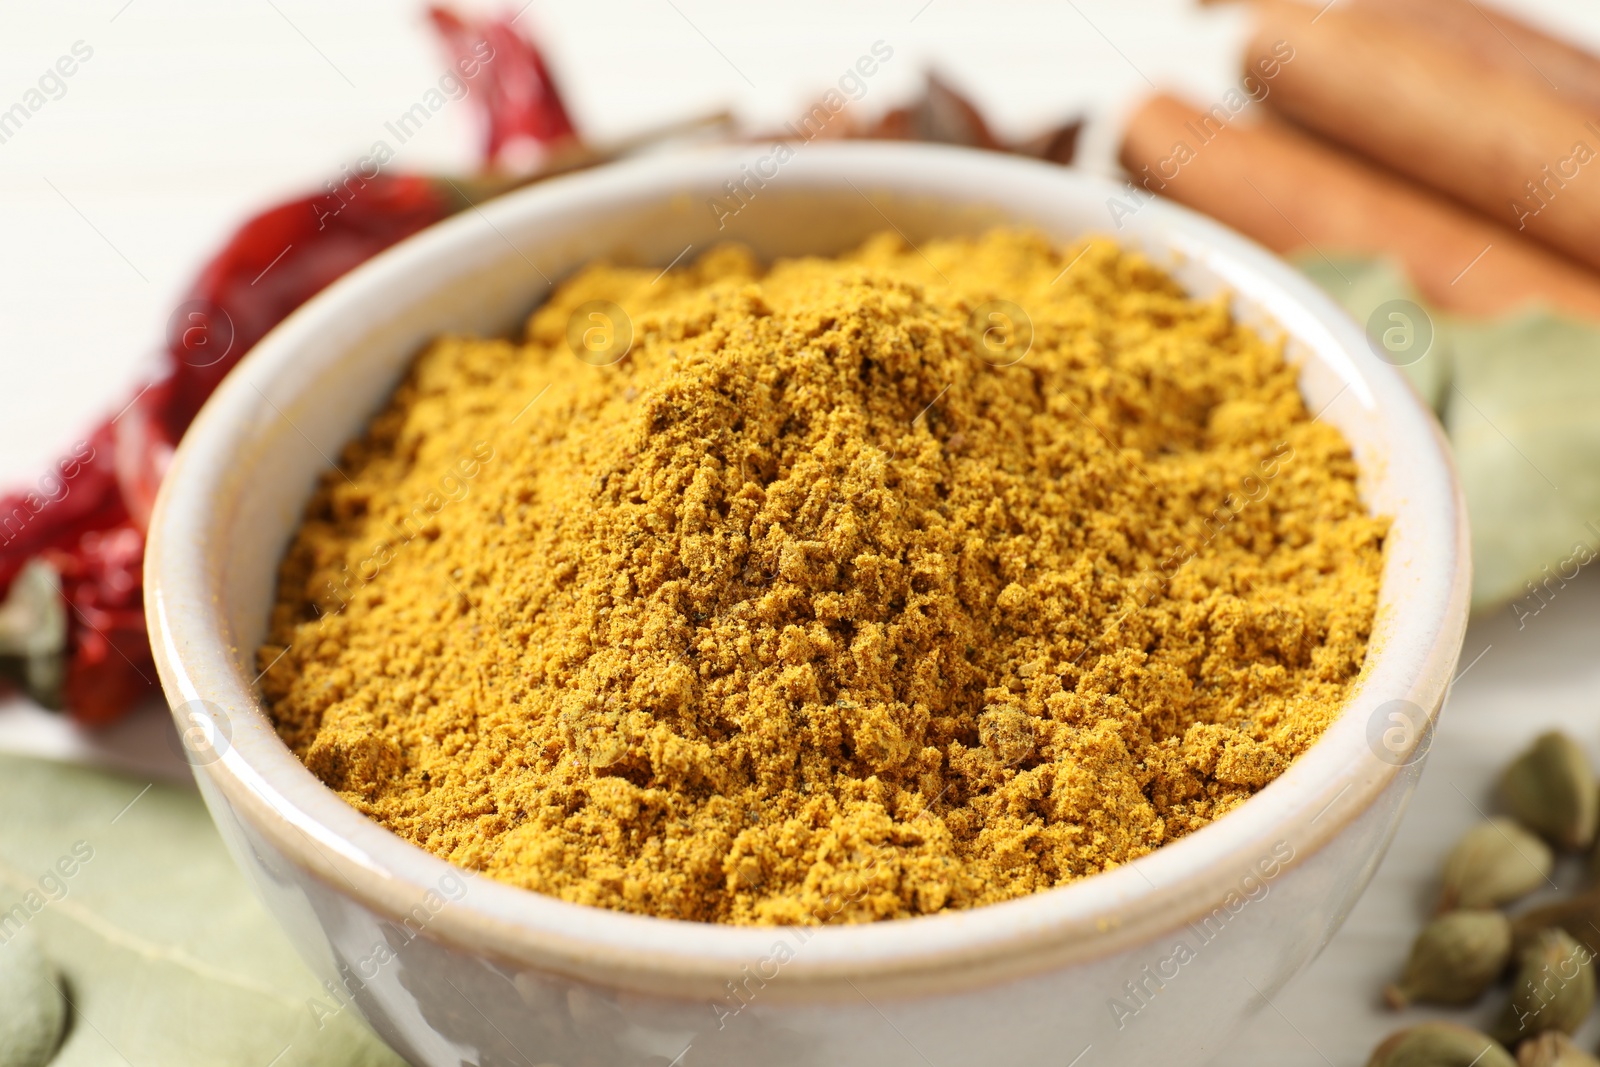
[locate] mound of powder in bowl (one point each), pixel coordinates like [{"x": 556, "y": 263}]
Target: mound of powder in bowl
[{"x": 845, "y": 594}]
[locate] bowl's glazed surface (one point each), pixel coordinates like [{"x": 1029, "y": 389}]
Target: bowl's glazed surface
[{"x": 1157, "y": 961}]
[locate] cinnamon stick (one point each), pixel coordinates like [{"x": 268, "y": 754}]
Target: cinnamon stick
[
  {"x": 1506, "y": 43},
  {"x": 1390, "y": 89},
  {"x": 1500, "y": 40},
  {"x": 1292, "y": 192}
]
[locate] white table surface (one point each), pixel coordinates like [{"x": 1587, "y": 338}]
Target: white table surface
[{"x": 190, "y": 115}]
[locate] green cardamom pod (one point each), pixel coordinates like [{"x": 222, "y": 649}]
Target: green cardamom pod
[
  {"x": 35, "y": 1012},
  {"x": 1578, "y": 915},
  {"x": 1455, "y": 958},
  {"x": 1553, "y": 988},
  {"x": 1494, "y": 863},
  {"x": 1440, "y": 1045},
  {"x": 1553, "y": 1049},
  {"x": 1551, "y": 789}
]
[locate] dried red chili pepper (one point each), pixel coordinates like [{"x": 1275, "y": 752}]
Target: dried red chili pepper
[
  {"x": 86, "y": 523},
  {"x": 519, "y": 96}
]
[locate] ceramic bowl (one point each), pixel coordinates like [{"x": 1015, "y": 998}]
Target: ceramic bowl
[{"x": 1154, "y": 962}]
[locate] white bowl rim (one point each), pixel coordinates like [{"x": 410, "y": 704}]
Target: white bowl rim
[{"x": 1339, "y": 776}]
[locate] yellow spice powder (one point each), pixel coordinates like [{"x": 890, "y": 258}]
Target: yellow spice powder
[{"x": 809, "y": 609}]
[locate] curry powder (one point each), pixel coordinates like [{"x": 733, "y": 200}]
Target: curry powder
[{"x": 841, "y": 597}]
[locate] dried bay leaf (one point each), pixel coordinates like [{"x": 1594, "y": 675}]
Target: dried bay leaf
[
  {"x": 1361, "y": 286},
  {"x": 1518, "y": 397},
  {"x": 1522, "y": 417},
  {"x": 166, "y": 956}
]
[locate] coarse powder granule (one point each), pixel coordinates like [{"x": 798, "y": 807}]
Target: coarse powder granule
[{"x": 835, "y": 599}]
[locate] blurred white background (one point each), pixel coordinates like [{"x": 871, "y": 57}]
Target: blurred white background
[{"x": 189, "y": 116}]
